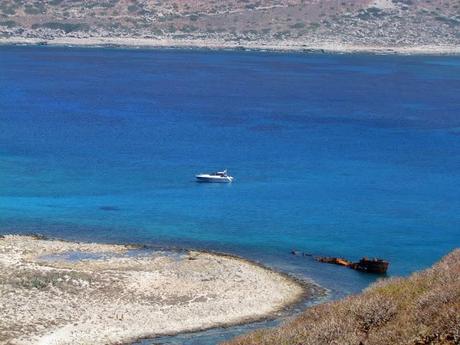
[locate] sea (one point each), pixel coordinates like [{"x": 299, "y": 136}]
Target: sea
[{"x": 333, "y": 155}]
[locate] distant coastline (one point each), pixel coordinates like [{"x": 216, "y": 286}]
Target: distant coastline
[{"x": 210, "y": 44}]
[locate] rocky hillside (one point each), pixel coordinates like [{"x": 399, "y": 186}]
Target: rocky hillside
[
  {"x": 421, "y": 310},
  {"x": 388, "y": 23}
]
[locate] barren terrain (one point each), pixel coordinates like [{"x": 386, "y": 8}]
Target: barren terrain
[
  {"x": 331, "y": 25},
  {"x": 56, "y": 292}
]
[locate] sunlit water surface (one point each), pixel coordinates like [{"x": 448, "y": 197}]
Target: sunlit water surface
[{"x": 349, "y": 155}]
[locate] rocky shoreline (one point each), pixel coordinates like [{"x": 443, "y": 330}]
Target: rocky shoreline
[
  {"x": 285, "y": 46},
  {"x": 58, "y": 292},
  {"x": 215, "y": 44}
]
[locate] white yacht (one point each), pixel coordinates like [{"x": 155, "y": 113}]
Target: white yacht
[{"x": 220, "y": 177}]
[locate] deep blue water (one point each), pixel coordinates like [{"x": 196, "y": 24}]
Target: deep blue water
[{"x": 352, "y": 155}]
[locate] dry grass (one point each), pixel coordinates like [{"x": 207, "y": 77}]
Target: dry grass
[{"x": 421, "y": 309}]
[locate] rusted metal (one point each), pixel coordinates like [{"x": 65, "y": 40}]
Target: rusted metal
[
  {"x": 364, "y": 265},
  {"x": 336, "y": 261},
  {"x": 371, "y": 265},
  {"x": 374, "y": 265}
]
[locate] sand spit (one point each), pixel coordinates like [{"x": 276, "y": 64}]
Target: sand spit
[
  {"x": 220, "y": 44},
  {"x": 57, "y": 292}
]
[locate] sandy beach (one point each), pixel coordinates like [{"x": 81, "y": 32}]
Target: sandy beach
[
  {"x": 57, "y": 292},
  {"x": 220, "y": 44}
]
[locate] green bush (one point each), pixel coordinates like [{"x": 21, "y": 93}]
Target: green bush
[
  {"x": 66, "y": 27},
  {"x": 298, "y": 25},
  {"x": 8, "y": 23}
]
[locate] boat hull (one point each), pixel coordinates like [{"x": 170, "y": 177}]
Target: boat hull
[
  {"x": 214, "y": 179},
  {"x": 372, "y": 266}
]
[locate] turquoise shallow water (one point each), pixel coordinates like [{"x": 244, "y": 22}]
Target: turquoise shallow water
[{"x": 350, "y": 155}]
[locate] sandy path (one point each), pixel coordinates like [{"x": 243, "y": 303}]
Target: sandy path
[{"x": 115, "y": 298}]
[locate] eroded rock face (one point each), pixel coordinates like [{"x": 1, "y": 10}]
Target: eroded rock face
[
  {"x": 55, "y": 292},
  {"x": 270, "y": 22}
]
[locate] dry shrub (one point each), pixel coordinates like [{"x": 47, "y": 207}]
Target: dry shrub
[
  {"x": 335, "y": 330},
  {"x": 438, "y": 311},
  {"x": 373, "y": 311}
]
